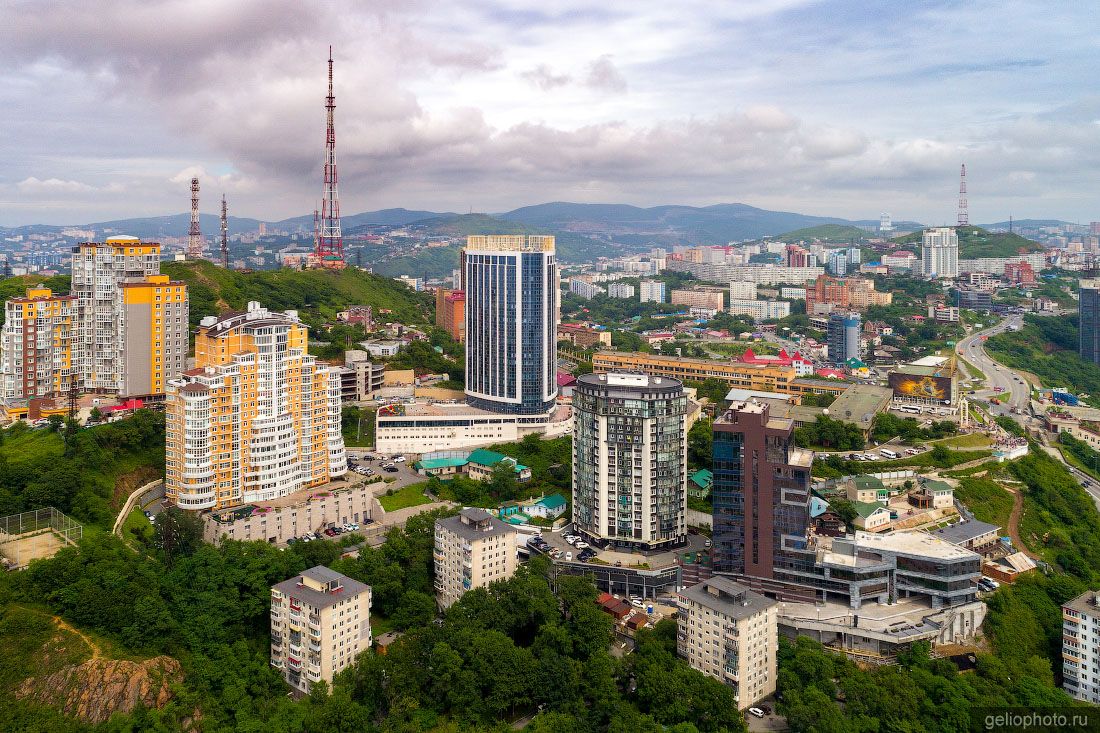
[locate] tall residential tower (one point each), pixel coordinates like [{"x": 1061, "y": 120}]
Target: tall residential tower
[
  {"x": 511, "y": 315},
  {"x": 940, "y": 253},
  {"x": 1089, "y": 321},
  {"x": 630, "y": 460},
  {"x": 36, "y": 348},
  {"x": 256, "y": 419}
]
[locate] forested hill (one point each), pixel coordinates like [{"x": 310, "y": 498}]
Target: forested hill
[
  {"x": 318, "y": 294},
  {"x": 976, "y": 242}
]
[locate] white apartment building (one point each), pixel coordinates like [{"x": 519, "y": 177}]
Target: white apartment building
[
  {"x": 792, "y": 293},
  {"x": 652, "y": 291},
  {"x": 730, "y": 633},
  {"x": 761, "y": 310},
  {"x": 940, "y": 253},
  {"x": 257, "y": 418},
  {"x": 584, "y": 288},
  {"x": 472, "y": 550},
  {"x": 759, "y": 274},
  {"x": 899, "y": 261},
  {"x": 620, "y": 290},
  {"x": 1081, "y": 647},
  {"x": 320, "y": 623},
  {"x": 996, "y": 265},
  {"x": 744, "y": 290}
]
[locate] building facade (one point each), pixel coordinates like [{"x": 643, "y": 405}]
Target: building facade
[
  {"x": 630, "y": 460},
  {"x": 743, "y": 290},
  {"x": 320, "y": 623},
  {"x": 699, "y": 298},
  {"x": 1081, "y": 647},
  {"x": 584, "y": 288},
  {"x": 651, "y": 291},
  {"x": 257, "y": 418},
  {"x": 843, "y": 337},
  {"x": 580, "y": 335},
  {"x": 940, "y": 253},
  {"x": 450, "y": 312},
  {"x": 620, "y": 290},
  {"x": 472, "y": 550},
  {"x": 36, "y": 345},
  {"x": 131, "y": 322},
  {"x": 728, "y": 632},
  {"x": 511, "y": 323},
  {"x": 1088, "y": 308},
  {"x": 760, "y": 310}
]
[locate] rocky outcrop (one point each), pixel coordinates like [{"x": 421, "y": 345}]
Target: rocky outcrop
[{"x": 96, "y": 689}]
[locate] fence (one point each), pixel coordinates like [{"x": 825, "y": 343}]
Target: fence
[{"x": 36, "y": 534}]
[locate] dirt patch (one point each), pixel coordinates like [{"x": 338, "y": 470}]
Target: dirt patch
[{"x": 130, "y": 482}]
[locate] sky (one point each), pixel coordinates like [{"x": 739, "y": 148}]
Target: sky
[{"x": 849, "y": 109}]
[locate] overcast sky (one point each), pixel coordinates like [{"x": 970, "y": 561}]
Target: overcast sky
[{"x": 108, "y": 107}]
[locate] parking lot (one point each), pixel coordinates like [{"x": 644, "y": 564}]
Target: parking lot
[{"x": 620, "y": 558}]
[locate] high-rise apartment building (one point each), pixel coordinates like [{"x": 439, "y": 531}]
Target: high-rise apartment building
[
  {"x": 620, "y": 290},
  {"x": 1088, "y": 308},
  {"x": 450, "y": 312},
  {"x": 760, "y": 493},
  {"x": 511, "y": 323},
  {"x": 36, "y": 357},
  {"x": 320, "y": 623},
  {"x": 843, "y": 336},
  {"x": 651, "y": 291},
  {"x": 940, "y": 253},
  {"x": 730, "y": 633},
  {"x": 472, "y": 550},
  {"x": 700, "y": 297},
  {"x": 1081, "y": 647},
  {"x": 131, "y": 321},
  {"x": 630, "y": 460},
  {"x": 256, "y": 419},
  {"x": 742, "y": 290}
]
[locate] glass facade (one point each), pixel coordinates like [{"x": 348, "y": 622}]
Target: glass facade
[{"x": 1089, "y": 322}]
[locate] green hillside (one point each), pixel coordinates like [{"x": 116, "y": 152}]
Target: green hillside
[
  {"x": 826, "y": 233},
  {"x": 15, "y": 287},
  {"x": 318, "y": 294},
  {"x": 571, "y": 247},
  {"x": 977, "y": 242},
  {"x": 424, "y": 262}
]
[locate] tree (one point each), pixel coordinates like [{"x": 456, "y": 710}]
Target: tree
[
  {"x": 701, "y": 443},
  {"x": 55, "y": 423},
  {"x": 502, "y": 482},
  {"x": 95, "y": 415},
  {"x": 940, "y": 455},
  {"x": 177, "y": 533}
]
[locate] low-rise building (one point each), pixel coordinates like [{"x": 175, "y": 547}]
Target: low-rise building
[
  {"x": 381, "y": 348},
  {"x": 472, "y": 550},
  {"x": 320, "y": 622},
  {"x": 866, "y": 489},
  {"x": 360, "y": 378},
  {"x": 548, "y": 507},
  {"x": 583, "y": 336},
  {"x": 943, "y": 313},
  {"x": 870, "y": 517},
  {"x": 358, "y": 315},
  {"x": 304, "y": 511},
  {"x": 728, "y": 632},
  {"x": 970, "y": 534}
]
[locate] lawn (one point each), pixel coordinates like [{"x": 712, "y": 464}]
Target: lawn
[
  {"x": 989, "y": 502},
  {"x": 411, "y": 495},
  {"x": 974, "y": 371},
  {"x": 136, "y": 526},
  {"x": 973, "y": 440}
]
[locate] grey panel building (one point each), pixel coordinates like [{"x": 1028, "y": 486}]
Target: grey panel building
[{"x": 1089, "y": 320}]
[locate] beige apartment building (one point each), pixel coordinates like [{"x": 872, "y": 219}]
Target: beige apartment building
[
  {"x": 700, "y": 297},
  {"x": 472, "y": 550},
  {"x": 320, "y": 622},
  {"x": 36, "y": 345},
  {"x": 257, "y": 419},
  {"x": 728, "y": 632}
]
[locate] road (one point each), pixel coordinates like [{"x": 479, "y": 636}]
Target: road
[{"x": 972, "y": 348}]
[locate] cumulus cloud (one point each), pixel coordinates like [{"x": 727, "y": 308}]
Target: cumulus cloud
[{"x": 445, "y": 106}]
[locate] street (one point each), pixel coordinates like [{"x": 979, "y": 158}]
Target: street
[{"x": 1014, "y": 386}]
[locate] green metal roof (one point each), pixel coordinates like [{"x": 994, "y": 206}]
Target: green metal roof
[
  {"x": 488, "y": 458},
  {"x": 702, "y": 478},
  {"x": 867, "y": 482},
  {"x": 865, "y": 510},
  {"x": 430, "y": 464},
  {"x": 933, "y": 485},
  {"x": 554, "y": 501}
]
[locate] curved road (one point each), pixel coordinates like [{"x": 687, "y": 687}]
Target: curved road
[{"x": 972, "y": 348}]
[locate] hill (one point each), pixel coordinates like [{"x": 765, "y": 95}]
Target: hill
[
  {"x": 1026, "y": 224},
  {"x": 827, "y": 233},
  {"x": 366, "y": 219},
  {"x": 978, "y": 242},
  {"x": 1047, "y": 347},
  {"x": 318, "y": 294}
]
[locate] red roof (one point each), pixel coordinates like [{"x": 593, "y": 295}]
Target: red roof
[
  {"x": 784, "y": 359},
  {"x": 830, "y": 373},
  {"x": 566, "y": 380}
]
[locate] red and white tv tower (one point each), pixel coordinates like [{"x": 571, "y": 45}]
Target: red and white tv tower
[
  {"x": 964, "y": 217},
  {"x": 194, "y": 235},
  {"x": 329, "y": 250}
]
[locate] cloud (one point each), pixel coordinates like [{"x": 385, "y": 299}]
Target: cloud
[
  {"x": 602, "y": 74},
  {"x": 543, "y": 77},
  {"x": 52, "y": 185}
]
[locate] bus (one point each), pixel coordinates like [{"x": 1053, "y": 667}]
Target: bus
[
  {"x": 889, "y": 453},
  {"x": 915, "y": 409}
]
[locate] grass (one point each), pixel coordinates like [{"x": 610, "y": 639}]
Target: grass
[
  {"x": 1077, "y": 462},
  {"x": 986, "y": 499},
  {"x": 974, "y": 371},
  {"x": 405, "y": 497},
  {"x": 972, "y": 440},
  {"x": 136, "y": 526}
]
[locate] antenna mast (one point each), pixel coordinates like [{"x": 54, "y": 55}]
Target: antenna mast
[
  {"x": 194, "y": 235},
  {"x": 329, "y": 251},
  {"x": 225, "y": 234},
  {"x": 964, "y": 216}
]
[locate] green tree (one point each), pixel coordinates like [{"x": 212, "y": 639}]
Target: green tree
[
  {"x": 177, "y": 533},
  {"x": 701, "y": 443}
]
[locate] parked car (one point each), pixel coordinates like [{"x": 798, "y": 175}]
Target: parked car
[
  {"x": 400, "y": 459},
  {"x": 580, "y": 544},
  {"x": 568, "y": 556},
  {"x": 757, "y": 712}
]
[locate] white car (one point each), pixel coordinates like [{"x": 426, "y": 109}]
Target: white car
[
  {"x": 571, "y": 540},
  {"x": 568, "y": 556},
  {"x": 399, "y": 459},
  {"x": 581, "y": 545},
  {"x": 757, "y": 712}
]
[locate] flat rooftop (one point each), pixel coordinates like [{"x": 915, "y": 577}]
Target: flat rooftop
[
  {"x": 903, "y": 618},
  {"x": 727, "y": 597},
  {"x": 1087, "y": 603},
  {"x": 912, "y": 543},
  {"x": 860, "y": 403}
]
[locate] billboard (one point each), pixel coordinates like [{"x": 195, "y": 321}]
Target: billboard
[{"x": 921, "y": 387}]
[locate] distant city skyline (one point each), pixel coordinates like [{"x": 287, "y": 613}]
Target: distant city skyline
[{"x": 838, "y": 109}]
